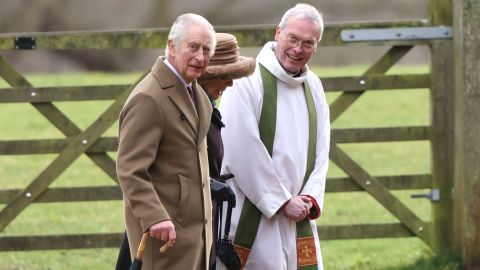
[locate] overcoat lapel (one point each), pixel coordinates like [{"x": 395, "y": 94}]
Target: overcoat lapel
[
  {"x": 204, "y": 112},
  {"x": 169, "y": 82},
  {"x": 182, "y": 101}
]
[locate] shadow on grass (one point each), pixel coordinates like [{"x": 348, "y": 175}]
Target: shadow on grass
[{"x": 444, "y": 261}]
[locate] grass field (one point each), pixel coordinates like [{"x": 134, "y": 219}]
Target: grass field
[{"x": 375, "y": 109}]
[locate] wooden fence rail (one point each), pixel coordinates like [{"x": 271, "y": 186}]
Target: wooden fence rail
[{"x": 247, "y": 36}]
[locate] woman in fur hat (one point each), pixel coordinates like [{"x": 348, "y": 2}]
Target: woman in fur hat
[{"x": 225, "y": 66}]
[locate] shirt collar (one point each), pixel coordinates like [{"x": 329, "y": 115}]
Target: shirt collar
[
  {"x": 169, "y": 65},
  {"x": 267, "y": 58}
]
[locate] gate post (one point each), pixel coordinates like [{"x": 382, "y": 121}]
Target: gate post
[
  {"x": 442, "y": 116},
  {"x": 467, "y": 130}
]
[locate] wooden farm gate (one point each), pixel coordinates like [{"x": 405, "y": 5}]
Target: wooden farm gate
[{"x": 400, "y": 36}]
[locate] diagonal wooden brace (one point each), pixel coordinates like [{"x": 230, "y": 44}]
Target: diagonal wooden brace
[
  {"x": 70, "y": 153},
  {"x": 57, "y": 118},
  {"x": 343, "y": 102},
  {"x": 378, "y": 191}
]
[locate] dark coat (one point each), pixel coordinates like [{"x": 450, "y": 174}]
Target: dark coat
[{"x": 215, "y": 144}]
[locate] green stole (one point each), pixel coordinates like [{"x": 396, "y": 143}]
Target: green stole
[{"x": 250, "y": 215}]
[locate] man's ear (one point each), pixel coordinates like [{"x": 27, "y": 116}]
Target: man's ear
[
  {"x": 171, "y": 48},
  {"x": 278, "y": 30}
]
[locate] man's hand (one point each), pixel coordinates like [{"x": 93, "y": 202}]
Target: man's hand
[
  {"x": 165, "y": 231},
  {"x": 297, "y": 208}
]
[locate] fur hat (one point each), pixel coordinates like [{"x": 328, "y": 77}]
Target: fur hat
[{"x": 226, "y": 62}]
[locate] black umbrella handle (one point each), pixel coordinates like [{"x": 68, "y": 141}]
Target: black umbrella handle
[
  {"x": 219, "y": 220},
  {"x": 228, "y": 219}
]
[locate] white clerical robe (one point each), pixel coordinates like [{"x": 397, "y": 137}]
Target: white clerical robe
[{"x": 270, "y": 181}]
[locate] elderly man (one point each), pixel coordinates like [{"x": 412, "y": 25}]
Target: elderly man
[
  {"x": 276, "y": 143},
  {"x": 162, "y": 155}
]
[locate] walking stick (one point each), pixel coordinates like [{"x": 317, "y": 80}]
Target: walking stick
[{"x": 137, "y": 261}]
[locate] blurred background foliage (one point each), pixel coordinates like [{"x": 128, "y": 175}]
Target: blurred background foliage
[{"x": 70, "y": 15}]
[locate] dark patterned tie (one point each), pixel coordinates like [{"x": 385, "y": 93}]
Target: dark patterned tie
[{"x": 192, "y": 96}]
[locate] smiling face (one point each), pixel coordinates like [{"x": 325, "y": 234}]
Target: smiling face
[
  {"x": 191, "y": 56},
  {"x": 296, "y": 43},
  {"x": 215, "y": 88}
]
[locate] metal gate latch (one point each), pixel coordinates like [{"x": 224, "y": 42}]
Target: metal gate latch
[{"x": 433, "y": 195}]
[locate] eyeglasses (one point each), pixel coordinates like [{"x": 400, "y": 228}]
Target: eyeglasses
[{"x": 306, "y": 45}]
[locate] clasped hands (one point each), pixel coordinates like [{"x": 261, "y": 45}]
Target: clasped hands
[{"x": 297, "y": 208}]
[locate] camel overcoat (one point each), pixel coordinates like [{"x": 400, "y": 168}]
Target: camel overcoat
[{"x": 162, "y": 168}]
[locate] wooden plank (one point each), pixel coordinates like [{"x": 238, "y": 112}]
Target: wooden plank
[
  {"x": 375, "y": 82},
  {"x": 61, "y": 93},
  {"x": 363, "y": 231},
  {"x": 56, "y": 117},
  {"x": 110, "y": 144},
  {"x": 108, "y": 193},
  {"x": 343, "y": 102},
  {"x": 81, "y": 142},
  {"x": 112, "y": 240},
  {"x": 121, "y": 39},
  {"x": 109, "y": 92},
  {"x": 388, "y": 134},
  {"x": 247, "y": 36},
  {"x": 466, "y": 21},
  {"x": 393, "y": 182},
  {"x": 54, "y": 242},
  {"x": 68, "y": 194},
  {"x": 49, "y": 146},
  {"x": 379, "y": 192},
  {"x": 442, "y": 118}
]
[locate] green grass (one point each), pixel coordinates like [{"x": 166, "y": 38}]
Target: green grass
[{"x": 373, "y": 109}]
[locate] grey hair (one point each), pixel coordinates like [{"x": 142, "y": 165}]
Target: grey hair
[
  {"x": 180, "y": 26},
  {"x": 304, "y": 11}
]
